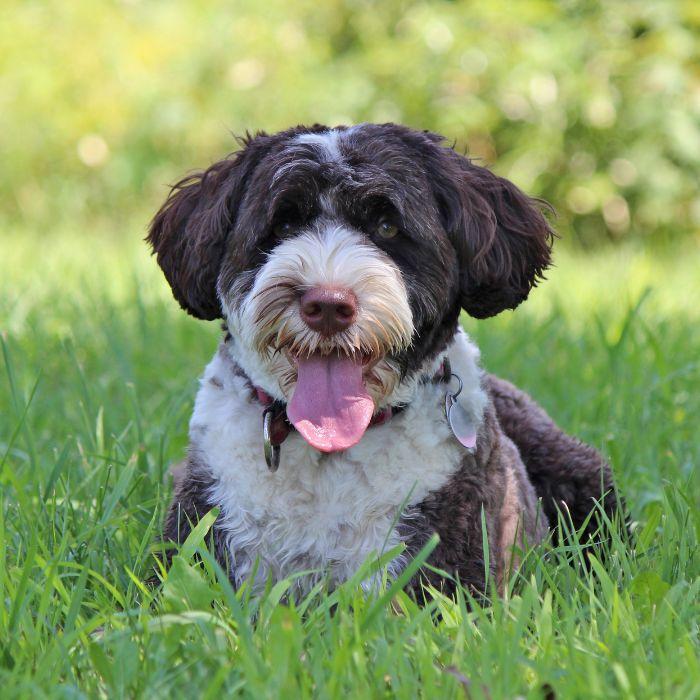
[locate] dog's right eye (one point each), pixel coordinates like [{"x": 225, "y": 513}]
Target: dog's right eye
[
  {"x": 386, "y": 229},
  {"x": 284, "y": 229}
]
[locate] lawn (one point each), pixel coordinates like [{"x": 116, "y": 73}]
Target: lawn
[{"x": 98, "y": 376}]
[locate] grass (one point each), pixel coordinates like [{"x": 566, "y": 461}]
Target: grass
[{"x": 100, "y": 369}]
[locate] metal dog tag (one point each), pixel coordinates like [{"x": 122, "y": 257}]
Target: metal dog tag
[
  {"x": 458, "y": 419},
  {"x": 461, "y": 425},
  {"x": 272, "y": 452}
]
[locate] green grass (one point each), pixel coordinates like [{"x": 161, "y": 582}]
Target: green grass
[{"x": 99, "y": 371}]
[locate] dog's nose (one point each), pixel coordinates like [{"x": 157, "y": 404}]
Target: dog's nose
[{"x": 329, "y": 310}]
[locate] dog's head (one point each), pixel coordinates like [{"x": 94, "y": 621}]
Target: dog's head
[{"x": 340, "y": 260}]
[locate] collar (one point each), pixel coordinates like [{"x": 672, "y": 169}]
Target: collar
[{"x": 276, "y": 425}]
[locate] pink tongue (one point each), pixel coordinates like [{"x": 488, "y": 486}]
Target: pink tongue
[{"x": 330, "y": 406}]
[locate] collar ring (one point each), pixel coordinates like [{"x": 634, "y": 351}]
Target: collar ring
[{"x": 272, "y": 451}]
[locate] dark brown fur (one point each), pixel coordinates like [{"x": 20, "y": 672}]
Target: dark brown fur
[
  {"x": 455, "y": 511},
  {"x": 567, "y": 474},
  {"x": 191, "y": 481},
  {"x": 470, "y": 239}
]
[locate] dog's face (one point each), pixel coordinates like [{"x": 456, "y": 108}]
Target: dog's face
[{"x": 340, "y": 260}]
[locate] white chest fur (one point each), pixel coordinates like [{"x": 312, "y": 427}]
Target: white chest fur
[{"x": 325, "y": 512}]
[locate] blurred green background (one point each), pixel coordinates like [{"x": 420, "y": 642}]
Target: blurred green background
[{"x": 594, "y": 106}]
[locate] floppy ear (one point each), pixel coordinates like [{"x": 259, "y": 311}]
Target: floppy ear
[
  {"x": 189, "y": 232},
  {"x": 502, "y": 239}
]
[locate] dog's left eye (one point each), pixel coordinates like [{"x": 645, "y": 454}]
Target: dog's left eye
[
  {"x": 386, "y": 229},
  {"x": 284, "y": 229}
]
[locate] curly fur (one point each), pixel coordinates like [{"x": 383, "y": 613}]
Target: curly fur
[{"x": 464, "y": 239}]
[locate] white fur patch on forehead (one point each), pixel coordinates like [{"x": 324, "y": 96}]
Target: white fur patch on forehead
[{"x": 328, "y": 143}]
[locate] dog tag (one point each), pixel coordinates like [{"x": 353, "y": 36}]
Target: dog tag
[
  {"x": 462, "y": 425},
  {"x": 459, "y": 421},
  {"x": 272, "y": 452}
]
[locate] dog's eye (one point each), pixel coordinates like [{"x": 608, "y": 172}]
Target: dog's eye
[
  {"x": 385, "y": 229},
  {"x": 284, "y": 229}
]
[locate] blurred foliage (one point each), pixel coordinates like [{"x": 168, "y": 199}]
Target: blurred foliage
[{"x": 591, "y": 104}]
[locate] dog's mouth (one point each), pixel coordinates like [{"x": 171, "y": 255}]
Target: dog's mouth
[{"x": 330, "y": 406}]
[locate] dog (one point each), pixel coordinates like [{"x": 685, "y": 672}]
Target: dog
[{"x": 345, "y": 412}]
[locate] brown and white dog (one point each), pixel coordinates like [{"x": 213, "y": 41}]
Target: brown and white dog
[{"x": 340, "y": 260}]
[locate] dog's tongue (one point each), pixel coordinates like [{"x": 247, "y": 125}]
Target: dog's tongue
[{"x": 330, "y": 406}]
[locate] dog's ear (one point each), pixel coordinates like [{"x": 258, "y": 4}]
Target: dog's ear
[
  {"x": 502, "y": 238},
  {"x": 189, "y": 232}
]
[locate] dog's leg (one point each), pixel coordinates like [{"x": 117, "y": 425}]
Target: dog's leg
[
  {"x": 189, "y": 504},
  {"x": 566, "y": 473}
]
